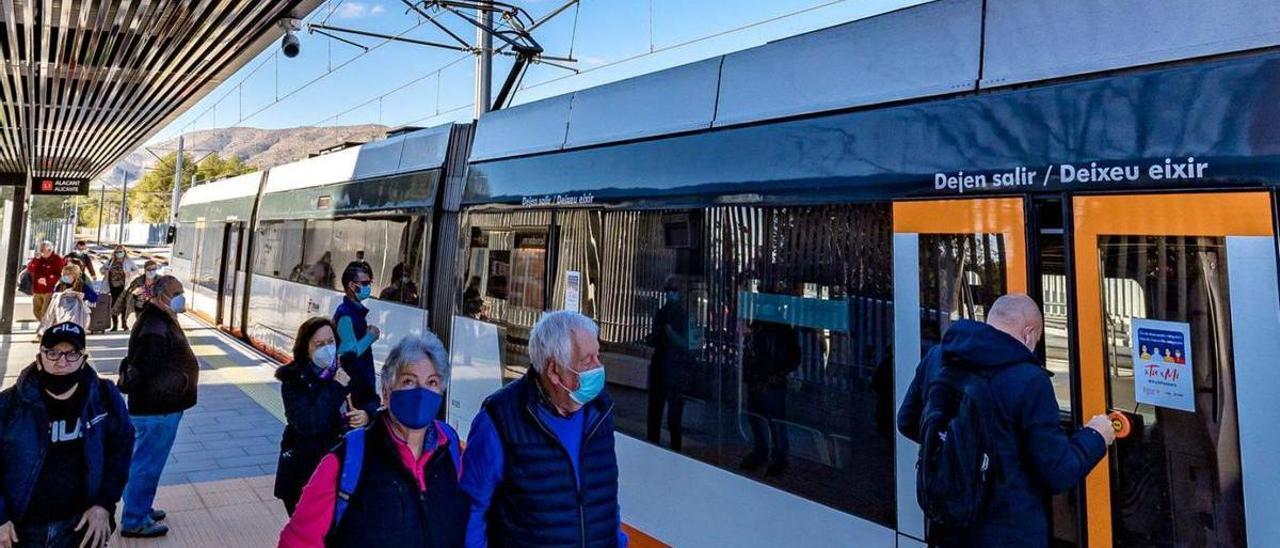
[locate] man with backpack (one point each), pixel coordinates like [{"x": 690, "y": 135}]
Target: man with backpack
[{"x": 992, "y": 450}]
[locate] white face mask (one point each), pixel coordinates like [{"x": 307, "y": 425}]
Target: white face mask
[{"x": 323, "y": 357}]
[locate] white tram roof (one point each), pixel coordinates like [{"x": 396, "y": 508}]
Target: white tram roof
[
  {"x": 240, "y": 186},
  {"x": 935, "y": 48},
  {"x": 405, "y": 153}
]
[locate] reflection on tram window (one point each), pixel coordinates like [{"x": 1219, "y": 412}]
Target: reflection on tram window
[
  {"x": 528, "y": 267},
  {"x": 758, "y": 340},
  {"x": 961, "y": 275},
  {"x": 317, "y": 266},
  {"x": 208, "y": 265},
  {"x": 279, "y": 248},
  {"x": 314, "y": 252},
  {"x": 184, "y": 245},
  {"x": 1176, "y": 480}
]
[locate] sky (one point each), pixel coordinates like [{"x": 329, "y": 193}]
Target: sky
[{"x": 396, "y": 84}]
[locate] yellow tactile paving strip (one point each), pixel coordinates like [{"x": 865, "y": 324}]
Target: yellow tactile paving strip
[{"x": 235, "y": 512}]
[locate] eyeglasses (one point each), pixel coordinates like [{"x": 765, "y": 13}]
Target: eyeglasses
[{"x": 55, "y": 355}]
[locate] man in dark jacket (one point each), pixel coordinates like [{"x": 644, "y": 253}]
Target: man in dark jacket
[
  {"x": 1034, "y": 457},
  {"x": 45, "y": 270},
  {"x": 160, "y": 377},
  {"x": 65, "y": 443},
  {"x": 540, "y": 467}
]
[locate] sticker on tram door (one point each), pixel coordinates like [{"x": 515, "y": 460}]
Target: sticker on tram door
[{"x": 1162, "y": 364}]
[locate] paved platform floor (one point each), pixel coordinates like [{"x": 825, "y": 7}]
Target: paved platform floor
[{"x": 217, "y": 484}]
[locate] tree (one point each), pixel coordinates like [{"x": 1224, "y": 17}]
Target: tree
[{"x": 151, "y": 196}]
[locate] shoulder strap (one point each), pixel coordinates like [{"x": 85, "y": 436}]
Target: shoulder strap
[
  {"x": 455, "y": 449},
  {"x": 349, "y": 471}
]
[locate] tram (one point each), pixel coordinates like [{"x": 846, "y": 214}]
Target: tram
[{"x": 805, "y": 219}]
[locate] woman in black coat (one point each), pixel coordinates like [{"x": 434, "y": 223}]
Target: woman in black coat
[{"x": 314, "y": 389}]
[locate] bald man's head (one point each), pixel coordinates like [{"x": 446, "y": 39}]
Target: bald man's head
[{"x": 1019, "y": 316}]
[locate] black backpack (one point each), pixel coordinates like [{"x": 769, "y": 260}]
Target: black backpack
[{"x": 954, "y": 473}]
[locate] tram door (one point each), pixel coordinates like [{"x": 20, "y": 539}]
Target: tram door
[
  {"x": 228, "y": 286},
  {"x": 1179, "y": 330},
  {"x": 952, "y": 259}
]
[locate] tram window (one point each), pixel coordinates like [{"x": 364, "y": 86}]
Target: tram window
[
  {"x": 317, "y": 256},
  {"x": 387, "y": 246},
  {"x": 184, "y": 245},
  {"x": 528, "y": 270},
  {"x": 404, "y": 278},
  {"x": 279, "y": 248},
  {"x": 1176, "y": 481},
  {"x": 499, "y": 274},
  {"x": 209, "y": 260},
  {"x": 511, "y": 267},
  {"x": 758, "y": 340},
  {"x": 961, "y": 275}
]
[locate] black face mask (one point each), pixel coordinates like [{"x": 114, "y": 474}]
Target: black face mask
[{"x": 58, "y": 384}]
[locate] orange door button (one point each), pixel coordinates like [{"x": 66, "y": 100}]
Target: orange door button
[{"x": 1121, "y": 423}]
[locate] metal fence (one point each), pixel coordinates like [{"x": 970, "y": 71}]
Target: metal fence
[{"x": 62, "y": 232}]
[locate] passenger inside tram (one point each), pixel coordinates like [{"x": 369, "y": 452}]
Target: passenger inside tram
[{"x": 402, "y": 289}]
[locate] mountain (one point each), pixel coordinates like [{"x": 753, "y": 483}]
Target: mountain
[{"x": 261, "y": 148}]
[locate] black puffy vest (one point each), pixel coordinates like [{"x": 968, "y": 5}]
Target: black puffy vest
[
  {"x": 538, "y": 503},
  {"x": 387, "y": 508}
]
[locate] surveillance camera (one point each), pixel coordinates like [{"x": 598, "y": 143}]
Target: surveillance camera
[{"x": 289, "y": 45}]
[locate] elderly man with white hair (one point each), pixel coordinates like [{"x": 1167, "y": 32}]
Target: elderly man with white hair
[
  {"x": 395, "y": 481},
  {"x": 45, "y": 269},
  {"x": 540, "y": 467}
]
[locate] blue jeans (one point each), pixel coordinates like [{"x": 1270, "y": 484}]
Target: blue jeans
[{"x": 152, "y": 441}]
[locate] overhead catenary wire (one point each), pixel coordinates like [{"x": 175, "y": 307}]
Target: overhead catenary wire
[
  {"x": 654, "y": 49},
  {"x": 398, "y": 88},
  {"x": 190, "y": 126},
  {"x": 694, "y": 41}
]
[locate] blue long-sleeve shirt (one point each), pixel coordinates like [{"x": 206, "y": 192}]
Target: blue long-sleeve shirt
[
  {"x": 355, "y": 349},
  {"x": 482, "y": 466}
]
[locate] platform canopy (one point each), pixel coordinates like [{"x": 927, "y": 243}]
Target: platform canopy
[{"x": 85, "y": 82}]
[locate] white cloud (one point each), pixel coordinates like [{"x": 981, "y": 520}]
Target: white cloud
[
  {"x": 357, "y": 10},
  {"x": 591, "y": 60}
]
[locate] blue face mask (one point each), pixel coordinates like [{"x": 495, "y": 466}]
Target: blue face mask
[
  {"x": 66, "y": 280},
  {"x": 363, "y": 292},
  {"x": 415, "y": 407},
  {"x": 590, "y": 384},
  {"x": 178, "y": 303}
]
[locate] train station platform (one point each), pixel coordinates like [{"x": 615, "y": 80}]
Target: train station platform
[{"x": 217, "y": 484}]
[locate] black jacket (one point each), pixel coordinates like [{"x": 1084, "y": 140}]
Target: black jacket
[
  {"x": 388, "y": 509},
  {"x": 1034, "y": 456},
  {"x": 314, "y": 427},
  {"x": 160, "y": 372},
  {"x": 24, "y": 441}
]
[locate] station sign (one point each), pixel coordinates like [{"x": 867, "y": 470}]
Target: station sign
[{"x": 60, "y": 187}]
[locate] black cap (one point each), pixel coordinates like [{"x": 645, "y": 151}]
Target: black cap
[{"x": 68, "y": 332}]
